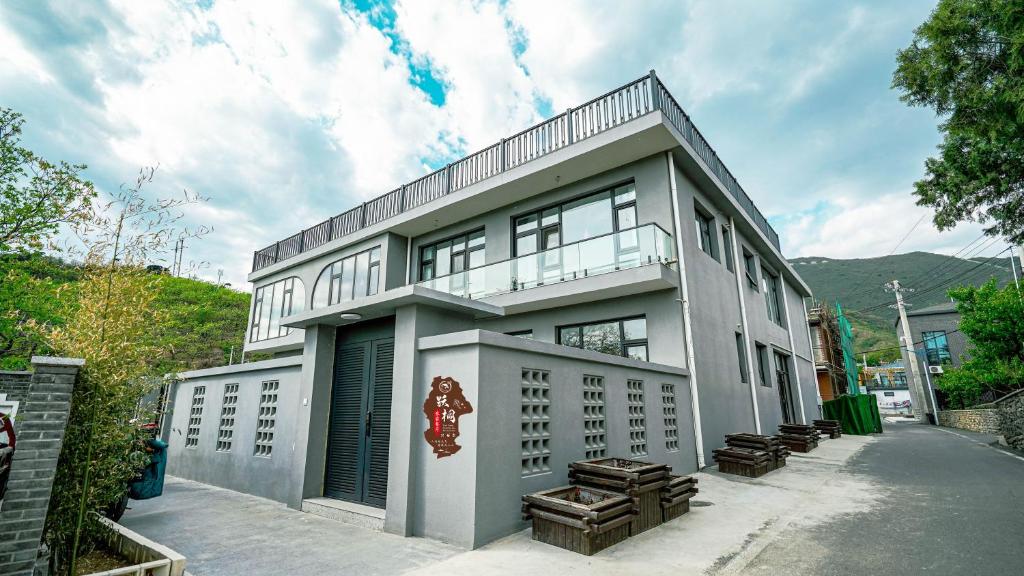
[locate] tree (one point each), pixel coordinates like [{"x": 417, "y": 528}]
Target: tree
[
  {"x": 992, "y": 319},
  {"x": 36, "y": 196},
  {"x": 967, "y": 63},
  {"x": 109, "y": 325},
  {"x": 35, "y": 290}
]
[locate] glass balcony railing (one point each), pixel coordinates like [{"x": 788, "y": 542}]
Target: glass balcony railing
[{"x": 639, "y": 246}]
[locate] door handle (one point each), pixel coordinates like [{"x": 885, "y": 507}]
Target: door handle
[{"x": 369, "y": 421}]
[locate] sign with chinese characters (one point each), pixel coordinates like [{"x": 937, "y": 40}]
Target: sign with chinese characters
[{"x": 443, "y": 407}]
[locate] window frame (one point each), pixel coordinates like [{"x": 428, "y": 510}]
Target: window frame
[
  {"x": 624, "y": 344},
  {"x": 929, "y": 338},
  {"x": 286, "y": 307},
  {"x": 771, "y": 295},
  {"x": 750, "y": 267},
  {"x": 763, "y": 364},
  {"x": 741, "y": 355},
  {"x": 465, "y": 254},
  {"x": 332, "y": 277},
  {"x": 705, "y": 230},
  {"x": 541, "y": 229},
  {"x": 730, "y": 261}
]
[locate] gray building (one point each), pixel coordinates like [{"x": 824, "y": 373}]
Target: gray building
[
  {"x": 596, "y": 285},
  {"x": 939, "y": 345}
]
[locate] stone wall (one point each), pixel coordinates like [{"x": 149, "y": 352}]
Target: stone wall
[
  {"x": 984, "y": 420},
  {"x": 43, "y": 417},
  {"x": 1011, "y": 418},
  {"x": 15, "y": 384}
]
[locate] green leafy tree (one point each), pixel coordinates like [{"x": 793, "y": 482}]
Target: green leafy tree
[
  {"x": 992, "y": 319},
  {"x": 967, "y": 63},
  {"x": 36, "y": 196}
]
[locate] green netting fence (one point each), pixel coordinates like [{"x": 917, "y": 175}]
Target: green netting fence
[{"x": 858, "y": 414}]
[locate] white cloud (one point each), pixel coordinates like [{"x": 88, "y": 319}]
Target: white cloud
[
  {"x": 852, "y": 227},
  {"x": 285, "y": 114}
]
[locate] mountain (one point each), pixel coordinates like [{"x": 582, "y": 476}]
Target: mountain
[{"x": 859, "y": 286}]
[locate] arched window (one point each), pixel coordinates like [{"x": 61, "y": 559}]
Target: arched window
[
  {"x": 349, "y": 278},
  {"x": 272, "y": 303}
]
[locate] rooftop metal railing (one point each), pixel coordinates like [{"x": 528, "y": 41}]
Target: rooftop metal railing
[{"x": 622, "y": 105}]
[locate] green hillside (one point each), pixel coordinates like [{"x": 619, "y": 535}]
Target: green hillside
[
  {"x": 204, "y": 320},
  {"x": 859, "y": 285}
]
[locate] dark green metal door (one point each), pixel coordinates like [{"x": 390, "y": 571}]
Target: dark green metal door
[{"x": 359, "y": 431}]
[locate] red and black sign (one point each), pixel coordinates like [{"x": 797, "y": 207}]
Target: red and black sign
[{"x": 444, "y": 405}]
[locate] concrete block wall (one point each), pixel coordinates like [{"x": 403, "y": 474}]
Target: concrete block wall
[
  {"x": 984, "y": 420},
  {"x": 474, "y": 496},
  {"x": 14, "y": 384},
  {"x": 44, "y": 416},
  {"x": 237, "y": 467}
]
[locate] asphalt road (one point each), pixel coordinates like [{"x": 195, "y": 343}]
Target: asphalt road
[{"x": 952, "y": 504}]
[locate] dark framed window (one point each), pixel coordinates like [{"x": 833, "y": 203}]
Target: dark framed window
[
  {"x": 936, "y": 347},
  {"x": 763, "y": 365},
  {"x": 771, "y": 295},
  {"x": 741, "y": 355},
  {"x": 592, "y": 215},
  {"x": 750, "y": 268},
  {"x": 273, "y": 302},
  {"x": 452, "y": 255},
  {"x": 705, "y": 231},
  {"x": 528, "y": 334},
  {"x": 352, "y": 277},
  {"x": 624, "y": 337},
  {"x": 730, "y": 264}
]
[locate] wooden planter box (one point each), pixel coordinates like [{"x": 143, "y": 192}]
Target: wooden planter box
[
  {"x": 641, "y": 481},
  {"x": 747, "y": 469},
  {"x": 675, "y": 496},
  {"x": 580, "y": 519}
]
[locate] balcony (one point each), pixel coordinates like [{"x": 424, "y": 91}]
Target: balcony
[
  {"x": 620, "y": 106},
  {"x": 632, "y": 248}
]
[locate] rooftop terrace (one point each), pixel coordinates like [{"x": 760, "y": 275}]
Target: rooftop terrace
[{"x": 624, "y": 104}]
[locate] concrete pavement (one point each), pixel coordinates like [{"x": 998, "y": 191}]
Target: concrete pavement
[
  {"x": 952, "y": 504},
  {"x": 915, "y": 499}
]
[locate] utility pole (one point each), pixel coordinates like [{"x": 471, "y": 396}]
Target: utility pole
[
  {"x": 1016, "y": 279},
  {"x": 918, "y": 398}
]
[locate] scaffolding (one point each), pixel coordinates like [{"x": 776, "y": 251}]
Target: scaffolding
[{"x": 832, "y": 343}]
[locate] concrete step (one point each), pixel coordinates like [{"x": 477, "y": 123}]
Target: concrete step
[{"x": 347, "y": 512}]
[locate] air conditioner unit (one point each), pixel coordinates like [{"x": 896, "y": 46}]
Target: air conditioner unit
[{"x": 935, "y": 369}]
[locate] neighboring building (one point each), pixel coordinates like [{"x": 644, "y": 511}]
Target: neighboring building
[
  {"x": 888, "y": 383},
  {"x": 581, "y": 281},
  {"x": 939, "y": 345},
  {"x": 832, "y": 342}
]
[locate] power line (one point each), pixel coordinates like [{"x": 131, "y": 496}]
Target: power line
[
  {"x": 900, "y": 347},
  {"x": 907, "y": 235},
  {"x": 950, "y": 260},
  {"x": 940, "y": 284}
]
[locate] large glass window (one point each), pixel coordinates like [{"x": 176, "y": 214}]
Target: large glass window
[
  {"x": 452, "y": 256},
  {"x": 353, "y": 277},
  {"x": 705, "y": 231},
  {"x": 273, "y": 302},
  {"x": 627, "y": 337},
  {"x": 771, "y": 295},
  {"x": 936, "y": 348},
  {"x": 588, "y": 217}
]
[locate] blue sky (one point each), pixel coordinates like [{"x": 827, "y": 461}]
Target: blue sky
[{"x": 284, "y": 114}]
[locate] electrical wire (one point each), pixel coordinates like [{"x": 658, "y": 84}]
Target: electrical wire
[
  {"x": 938, "y": 285},
  {"x": 899, "y": 347}
]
